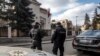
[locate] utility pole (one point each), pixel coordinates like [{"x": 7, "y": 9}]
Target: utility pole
[
  {"x": 76, "y": 21},
  {"x": 76, "y": 25}
]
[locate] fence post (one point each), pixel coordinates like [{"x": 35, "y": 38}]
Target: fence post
[{"x": 9, "y": 32}]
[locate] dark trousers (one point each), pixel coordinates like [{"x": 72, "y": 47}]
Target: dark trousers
[
  {"x": 37, "y": 44},
  {"x": 59, "y": 46}
]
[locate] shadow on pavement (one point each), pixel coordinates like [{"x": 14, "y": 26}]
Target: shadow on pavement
[{"x": 86, "y": 53}]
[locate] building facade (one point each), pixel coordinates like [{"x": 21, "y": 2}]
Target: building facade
[
  {"x": 67, "y": 24},
  {"x": 42, "y": 16}
]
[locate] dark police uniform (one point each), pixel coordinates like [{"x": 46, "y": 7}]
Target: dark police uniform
[
  {"x": 58, "y": 39},
  {"x": 38, "y": 35}
]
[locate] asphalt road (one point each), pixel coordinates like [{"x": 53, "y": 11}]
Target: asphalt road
[{"x": 69, "y": 51}]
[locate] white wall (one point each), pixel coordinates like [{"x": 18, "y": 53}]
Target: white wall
[
  {"x": 38, "y": 14},
  {"x": 48, "y": 24},
  {"x": 36, "y": 11}
]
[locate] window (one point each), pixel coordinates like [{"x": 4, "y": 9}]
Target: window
[{"x": 42, "y": 21}]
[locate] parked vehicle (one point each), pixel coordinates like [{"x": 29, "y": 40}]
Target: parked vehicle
[{"x": 88, "y": 40}]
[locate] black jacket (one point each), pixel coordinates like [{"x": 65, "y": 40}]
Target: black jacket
[
  {"x": 59, "y": 35},
  {"x": 39, "y": 35}
]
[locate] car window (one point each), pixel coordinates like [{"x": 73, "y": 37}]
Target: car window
[
  {"x": 98, "y": 33},
  {"x": 90, "y": 33}
]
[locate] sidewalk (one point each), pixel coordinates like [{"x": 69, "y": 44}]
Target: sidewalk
[
  {"x": 28, "y": 43},
  {"x": 20, "y": 51},
  {"x": 46, "y": 42}
]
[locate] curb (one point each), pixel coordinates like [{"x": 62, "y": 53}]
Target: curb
[
  {"x": 47, "y": 42},
  {"x": 24, "y": 44},
  {"x": 70, "y": 55},
  {"x": 69, "y": 39}
]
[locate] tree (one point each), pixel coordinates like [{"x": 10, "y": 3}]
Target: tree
[
  {"x": 94, "y": 24},
  {"x": 87, "y": 21},
  {"x": 96, "y": 19},
  {"x": 96, "y": 12},
  {"x": 23, "y": 16},
  {"x": 17, "y": 12},
  {"x": 2, "y": 6},
  {"x": 5, "y": 12}
]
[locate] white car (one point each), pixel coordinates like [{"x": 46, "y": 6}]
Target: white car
[{"x": 19, "y": 51}]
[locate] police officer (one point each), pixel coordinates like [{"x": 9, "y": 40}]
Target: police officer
[
  {"x": 58, "y": 39},
  {"x": 37, "y": 37}
]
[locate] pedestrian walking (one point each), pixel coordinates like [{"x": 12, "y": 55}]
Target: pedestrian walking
[
  {"x": 37, "y": 37},
  {"x": 58, "y": 39}
]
